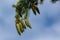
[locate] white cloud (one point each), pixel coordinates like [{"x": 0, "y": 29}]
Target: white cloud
[{"x": 56, "y": 27}]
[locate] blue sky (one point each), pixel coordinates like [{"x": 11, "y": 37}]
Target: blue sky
[{"x": 45, "y": 26}]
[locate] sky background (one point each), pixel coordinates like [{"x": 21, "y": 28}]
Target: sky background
[{"x": 45, "y": 26}]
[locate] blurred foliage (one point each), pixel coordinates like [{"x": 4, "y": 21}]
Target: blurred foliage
[
  {"x": 22, "y": 7},
  {"x": 54, "y": 1}
]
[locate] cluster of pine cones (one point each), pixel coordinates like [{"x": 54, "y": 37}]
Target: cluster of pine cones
[{"x": 21, "y": 18}]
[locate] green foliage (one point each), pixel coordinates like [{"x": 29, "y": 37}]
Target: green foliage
[{"x": 22, "y": 7}]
